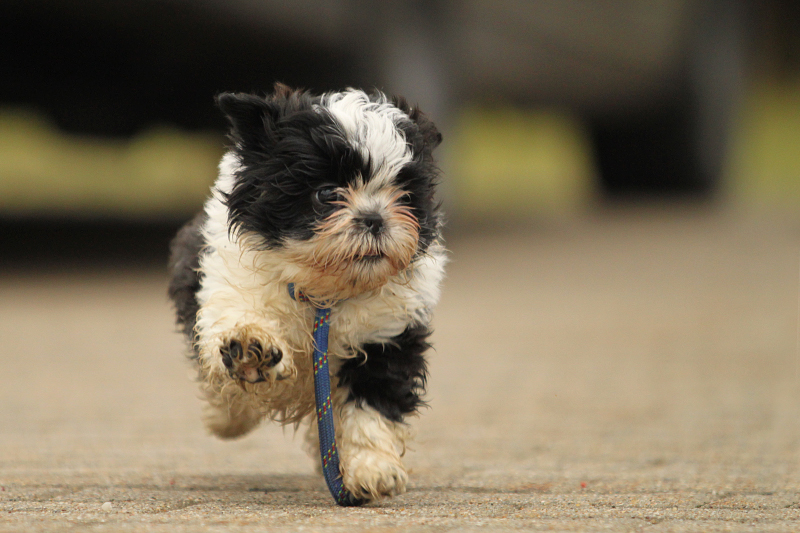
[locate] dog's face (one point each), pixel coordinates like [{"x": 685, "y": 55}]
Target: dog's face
[{"x": 342, "y": 185}]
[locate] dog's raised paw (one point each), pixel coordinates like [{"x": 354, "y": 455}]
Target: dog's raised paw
[{"x": 248, "y": 358}]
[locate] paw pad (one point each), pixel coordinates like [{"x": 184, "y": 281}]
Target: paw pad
[{"x": 249, "y": 361}]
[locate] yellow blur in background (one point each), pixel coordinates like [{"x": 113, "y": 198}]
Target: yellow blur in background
[
  {"x": 501, "y": 162},
  {"x": 513, "y": 162},
  {"x": 764, "y": 160},
  {"x": 161, "y": 172}
]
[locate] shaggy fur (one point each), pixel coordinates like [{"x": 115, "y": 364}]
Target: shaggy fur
[{"x": 334, "y": 193}]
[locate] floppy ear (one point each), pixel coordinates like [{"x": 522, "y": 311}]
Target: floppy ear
[
  {"x": 431, "y": 137},
  {"x": 429, "y": 132},
  {"x": 252, "y": 119}
]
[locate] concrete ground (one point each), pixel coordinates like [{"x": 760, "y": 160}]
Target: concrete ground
[{"x": 635, "y": 371}]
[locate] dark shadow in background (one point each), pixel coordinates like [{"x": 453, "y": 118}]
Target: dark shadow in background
[
  {"x": 115, "y": 68},
  {"x": 47, "y": 246}
]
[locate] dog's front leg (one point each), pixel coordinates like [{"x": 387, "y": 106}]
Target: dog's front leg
[
  {"x": 237, "y": 336},
  {"x": 238, "y": 343},
  {"x": 370, "y": 448},
  {"x": 376, "y": 391}
]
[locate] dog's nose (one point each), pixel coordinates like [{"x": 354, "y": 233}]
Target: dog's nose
[{"x": 373, "y": 222}]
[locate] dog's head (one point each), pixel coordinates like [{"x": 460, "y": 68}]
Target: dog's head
[{"x": 341, "y": 185}]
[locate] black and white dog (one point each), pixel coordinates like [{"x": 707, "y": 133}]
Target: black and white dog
[{"x": 335, "y": 194}]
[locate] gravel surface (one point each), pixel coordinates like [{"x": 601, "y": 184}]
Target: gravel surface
[{"x": 635, "y": 371}]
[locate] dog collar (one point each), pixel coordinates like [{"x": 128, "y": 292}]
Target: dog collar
[{"x": 322, "y": 392}]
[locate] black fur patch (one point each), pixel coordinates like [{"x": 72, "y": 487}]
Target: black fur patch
[
  {"x": 420, "y": 177},
  {"x": 289, "y": 149},
  {"x": 184, "y": 261},
  {"x": 392, "y": 377}
]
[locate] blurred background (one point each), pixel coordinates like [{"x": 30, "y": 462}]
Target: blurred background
[{"x": 109, "y": 136}]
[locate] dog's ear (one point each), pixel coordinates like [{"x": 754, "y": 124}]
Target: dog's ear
[
  {"x": 252, "y": 119},
  {"x": 429, "y": 131},
  {"x": 430, "y": 134}
]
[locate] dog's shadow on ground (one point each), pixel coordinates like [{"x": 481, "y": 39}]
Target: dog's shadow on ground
[
  {"x": 250, "y": 483},
  {"x": 247, "y": 489}
]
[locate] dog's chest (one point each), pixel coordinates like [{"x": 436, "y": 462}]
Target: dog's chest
[{"x": 357, "y": 322}]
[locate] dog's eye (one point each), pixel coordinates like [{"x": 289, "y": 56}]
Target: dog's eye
[{"x": 327, "y": 195}]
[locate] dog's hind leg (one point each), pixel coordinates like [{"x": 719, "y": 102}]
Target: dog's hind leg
[{"x": 229, "y": 411}]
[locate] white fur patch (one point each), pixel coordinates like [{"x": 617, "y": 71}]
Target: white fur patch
[{"x": 371, "y": 127}]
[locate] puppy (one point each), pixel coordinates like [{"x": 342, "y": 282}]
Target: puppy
[{"x": 334, "y": 194}]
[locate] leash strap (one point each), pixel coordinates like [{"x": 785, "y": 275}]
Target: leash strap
[{"x": 322, "y": 391}]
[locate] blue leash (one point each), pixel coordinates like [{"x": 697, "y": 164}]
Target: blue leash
[{"x": 322, "y": 392}]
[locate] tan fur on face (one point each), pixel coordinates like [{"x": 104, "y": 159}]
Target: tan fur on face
[{"x": 332, "y": 264}]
